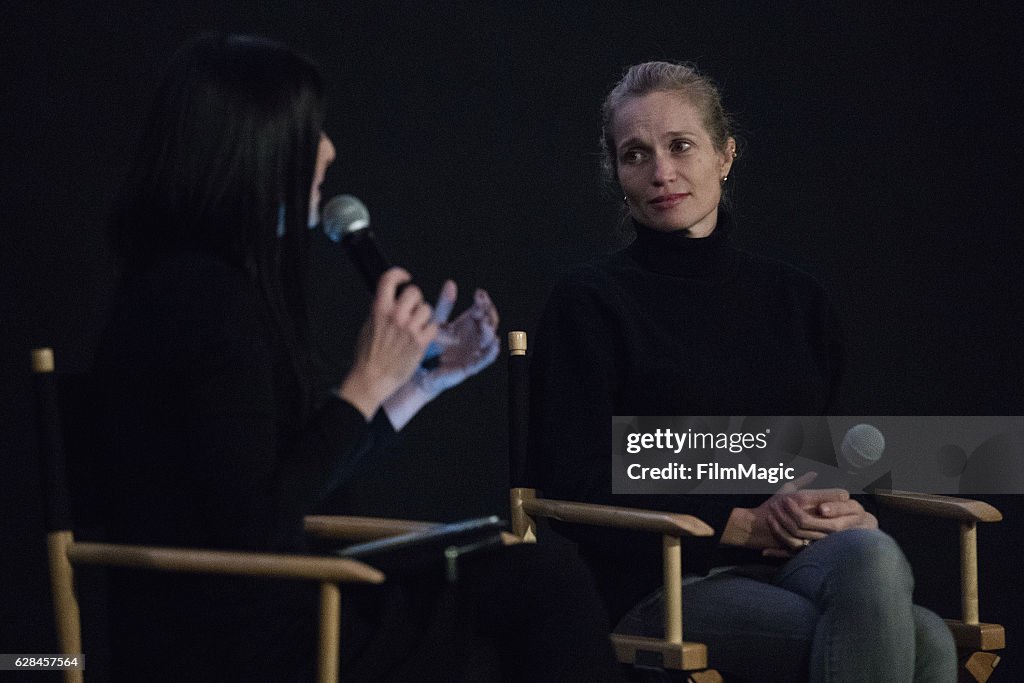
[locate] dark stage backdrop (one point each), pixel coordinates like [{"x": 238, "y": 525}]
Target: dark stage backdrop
[{"x": 879, "y": 151}]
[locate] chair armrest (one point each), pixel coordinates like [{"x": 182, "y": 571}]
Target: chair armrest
[
  {"x": 348, "y": 528},
  {"x": 626, "y": 518},
  {"x": 237, "y": 563},
  {"x": 948, "y": 507}
]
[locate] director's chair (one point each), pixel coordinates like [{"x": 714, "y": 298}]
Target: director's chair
[
  {"x": 65, "y": 553},
  {"x": 977, "y": 642}
]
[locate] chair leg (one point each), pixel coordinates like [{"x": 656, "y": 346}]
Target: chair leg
[
  {"x": 330, "y": 631},
  {"x": 62, "y": 584}
]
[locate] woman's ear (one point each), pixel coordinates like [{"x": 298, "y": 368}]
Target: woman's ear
[{"x": 727, "y": 156}]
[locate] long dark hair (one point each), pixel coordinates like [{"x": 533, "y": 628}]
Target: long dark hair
[{"x": 224, "y": 166}]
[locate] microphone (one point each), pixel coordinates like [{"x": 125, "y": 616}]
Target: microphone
[
  {"x": 346, "y": 220},
  {"x": 862, "y": 446}
]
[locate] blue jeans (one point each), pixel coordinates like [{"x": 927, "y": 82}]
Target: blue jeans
[{"x": 839, "y": 611}]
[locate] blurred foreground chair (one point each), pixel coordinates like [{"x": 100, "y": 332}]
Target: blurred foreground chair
[
  {"x": 977, "y": 642},
  {"x": 65, "y": 553}
]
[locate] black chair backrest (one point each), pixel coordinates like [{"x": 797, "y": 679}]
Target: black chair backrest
[
  {"x": 522, "y": 473},
  {"x": 50, "y": 440},
  {"x": 69, "y": 437}
]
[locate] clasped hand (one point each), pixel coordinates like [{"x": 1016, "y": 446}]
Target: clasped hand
[{"x": 796, "y": 517}]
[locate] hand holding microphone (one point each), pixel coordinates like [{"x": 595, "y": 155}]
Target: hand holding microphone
[
  {"x": 390, "y": 345},
  {"x": 346, "y": 220},
  {"x": 462, "y": 347}
]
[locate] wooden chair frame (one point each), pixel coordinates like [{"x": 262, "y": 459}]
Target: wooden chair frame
[
  {"x": 977, "y": 642},
  {"x": 672, "y": 651},
  {"x": 65, "y": 553}
]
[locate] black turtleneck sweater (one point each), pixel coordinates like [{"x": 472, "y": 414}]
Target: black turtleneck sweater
[{"x": 671, "y": 325}]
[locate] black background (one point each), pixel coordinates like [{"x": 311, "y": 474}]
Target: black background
[{"x": 880, "y": 150}]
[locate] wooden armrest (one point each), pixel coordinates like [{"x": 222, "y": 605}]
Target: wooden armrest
[
  {"x": 360, "y": 528},
  {"x": 223, "y": 562},
  {"x": 626, "y": 518},
  {"x": 948, "y": 507},
  {"x": 977, "y": 636}
]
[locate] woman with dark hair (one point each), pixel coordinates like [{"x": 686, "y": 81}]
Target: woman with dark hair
[
  {"x": 799, "y": 585},
  {"x": 219, "y": 437}
]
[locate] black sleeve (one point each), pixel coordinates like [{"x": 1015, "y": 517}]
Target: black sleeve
[
  {"x": 257, "y": 469},
  {"x": 205, "y": 451},
  {"x": 574, "y": 375},
  {"x": 312, "y": 464}
]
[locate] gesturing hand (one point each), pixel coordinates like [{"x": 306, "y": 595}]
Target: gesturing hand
[{"x": 468, "y": 344}]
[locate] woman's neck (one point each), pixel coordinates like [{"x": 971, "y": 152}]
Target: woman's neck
[{"x": 679, "y": 254}]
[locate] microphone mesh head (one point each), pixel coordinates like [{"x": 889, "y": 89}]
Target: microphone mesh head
[
  {"x": 343, "y": 215},
  {"x": 863, "y": 445}
]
